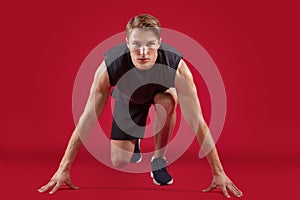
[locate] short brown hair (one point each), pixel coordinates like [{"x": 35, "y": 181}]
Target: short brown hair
[{"x": 145, "y": 21}]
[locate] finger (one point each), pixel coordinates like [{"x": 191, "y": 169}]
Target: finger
[
  {"x": 46, "y": 187},
  {"x": 238, "y": 190},
  {"x": 58, "y": 184},
  {"x": 223, "y": 188},
  {"x": 233, "y": 190},
  {"x": 209, "y": 188},
  {"x": 70, "y": 184}
]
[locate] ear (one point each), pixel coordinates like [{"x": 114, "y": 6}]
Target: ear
[{"x": 159, "y": 42}]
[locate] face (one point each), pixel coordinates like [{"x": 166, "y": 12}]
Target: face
[{"x": 143, "y": 45}]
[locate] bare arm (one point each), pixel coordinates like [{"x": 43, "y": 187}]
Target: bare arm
[
  {"x": 93, "y": 109},
  {"x": 191, "y": 110}
]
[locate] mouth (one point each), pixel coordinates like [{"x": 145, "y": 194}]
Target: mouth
[{"x": 143, "y": 59}]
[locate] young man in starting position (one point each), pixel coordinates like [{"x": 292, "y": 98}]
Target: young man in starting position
[{"x": 127, "y": 67}]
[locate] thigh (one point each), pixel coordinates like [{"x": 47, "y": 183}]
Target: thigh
[{"x": 129, "y": 121}]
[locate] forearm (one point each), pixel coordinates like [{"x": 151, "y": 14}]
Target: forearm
[
  {"x": 72, "y": 149},
  {"x": 214, "y": 162},
  {"x": 208, "y": 147},
  {"x": 93, "y": 110},
  {"x": 89, "y": 118},
  {"x": 205, "y": 140}
]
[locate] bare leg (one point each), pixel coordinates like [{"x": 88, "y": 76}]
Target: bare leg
[
  {"x": 121, "y": 152},
  {"x": 165, "y": 107}
]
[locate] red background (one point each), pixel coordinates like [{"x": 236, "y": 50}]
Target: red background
[{"x": 255, "y": 45}]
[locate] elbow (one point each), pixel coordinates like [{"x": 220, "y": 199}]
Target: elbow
[{"x": 199, "y": 125}]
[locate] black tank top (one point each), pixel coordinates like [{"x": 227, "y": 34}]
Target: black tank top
[{"x": 139, "y": 86}]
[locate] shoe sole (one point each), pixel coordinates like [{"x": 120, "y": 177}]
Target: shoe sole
[{"x": 157, "y": 183}]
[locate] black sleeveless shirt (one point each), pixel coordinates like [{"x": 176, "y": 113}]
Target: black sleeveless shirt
[{"x": 133, "y": 85}]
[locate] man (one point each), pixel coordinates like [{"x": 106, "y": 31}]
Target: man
[{"x": 127, "y": 68}]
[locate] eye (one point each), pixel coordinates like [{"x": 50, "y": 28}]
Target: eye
[
  {"x": 136, "y": 45},
  {"x": 151, "y": 44}
]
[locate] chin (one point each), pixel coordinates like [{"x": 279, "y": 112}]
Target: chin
[{"x": 144, "y": 66}]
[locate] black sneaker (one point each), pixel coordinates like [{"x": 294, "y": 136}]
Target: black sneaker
[
  {"x": 159, "y": 172},
  {"x": 136, "y": 156}
]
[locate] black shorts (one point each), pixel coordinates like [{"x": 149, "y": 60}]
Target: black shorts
[{"x": 129, "y": 123}]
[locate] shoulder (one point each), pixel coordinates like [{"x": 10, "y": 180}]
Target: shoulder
[
  {"x": 183, "y": 72},
  {"x": 168, "y": 55},
  {"x": 184, "y": 82},
  {"x": 117, "y": 61},
  {"x": 168, "y": 49},
  {"x": 116, "y": 53}
]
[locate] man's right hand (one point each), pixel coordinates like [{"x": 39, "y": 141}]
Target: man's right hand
[{"x": 60, "y": 178}]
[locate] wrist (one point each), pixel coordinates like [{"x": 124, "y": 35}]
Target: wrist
[
  {"x": 217, "y": 168},
  {"x": 215, "y": 163},
  {"x": 64, "y": 167},
  {"x": 217, "y": 172}
]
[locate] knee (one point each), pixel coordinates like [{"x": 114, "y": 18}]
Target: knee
[
  {"x": 166, "y": 101},
  {"x": 118, "y": 161}
]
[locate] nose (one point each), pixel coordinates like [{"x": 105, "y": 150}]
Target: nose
[{"x": 143, "y": 50}]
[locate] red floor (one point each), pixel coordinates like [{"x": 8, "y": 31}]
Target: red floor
[{"x": 258, "y": 178}]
